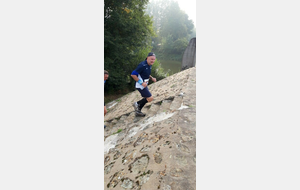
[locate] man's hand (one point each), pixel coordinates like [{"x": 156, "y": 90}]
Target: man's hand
[
  {"x": 144, "y": 84},
  {"x": 153, "y": 79}
]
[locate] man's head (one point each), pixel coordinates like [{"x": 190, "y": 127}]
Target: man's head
[
  {"x": 151, "y": 58},
  {"x": 105, "y": 75}
]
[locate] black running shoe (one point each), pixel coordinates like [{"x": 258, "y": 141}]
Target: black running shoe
[
  {"x": 139, "y": 113},
  {"x": 136, "y": 106}
]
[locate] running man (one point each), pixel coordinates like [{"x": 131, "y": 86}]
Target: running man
[
  {"x": 105, "y": 78},
  {"x": 142, "y": 75}
]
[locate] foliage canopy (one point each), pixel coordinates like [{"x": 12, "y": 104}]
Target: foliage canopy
[
  {"x": 127, "y": 32},
  {"x": 133, "y": 28},
  {"x": 173, "y": 27}
]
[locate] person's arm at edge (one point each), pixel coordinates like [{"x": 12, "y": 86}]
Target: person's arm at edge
[{"x": 152, "y": 78}]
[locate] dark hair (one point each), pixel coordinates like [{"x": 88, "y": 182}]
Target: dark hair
[
  {"x": 150, "y": 54},
  {"x": 105, "y": 72}
]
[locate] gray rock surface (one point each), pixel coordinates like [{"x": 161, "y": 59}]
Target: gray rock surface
[
  {"x": 157, "y": 151},
  {"x": 189, "y": 55}
]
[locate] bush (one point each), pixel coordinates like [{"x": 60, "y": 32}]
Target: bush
[{"x": 120, "y": 80}]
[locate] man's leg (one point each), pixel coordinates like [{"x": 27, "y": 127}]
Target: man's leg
[
  {"x": 150, "y": 99},
  {"x": 141, "y": 103},
  {"x": 144, "y": 101},
  {"x": 147, "y": 97}
]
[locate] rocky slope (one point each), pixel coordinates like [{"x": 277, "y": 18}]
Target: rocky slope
[{"x": 157, "y": 151}]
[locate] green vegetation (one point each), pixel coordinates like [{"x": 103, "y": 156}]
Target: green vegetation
[
  {"x": 112, "y": 97},
  {"x": 132, "y": 29},
  {"x": 127, "y": 41},
  {"x": 119, "y": 130},
  {"x": 174, "y": 29}
]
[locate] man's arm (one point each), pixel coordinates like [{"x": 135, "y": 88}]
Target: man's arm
[
  {"x": 152, "y": 78},
  {"x": 134, "y": 76}
]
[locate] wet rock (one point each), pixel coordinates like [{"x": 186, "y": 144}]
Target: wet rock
[
  {"x": 176, "y": 172},
  {"x": 145, "y": 149},
  {"x": 156, "y": 138},
  {"x": 129, "y": 156},
  {"x": 143, "y": 179},
  {"x": 163, "y": 141},
  {"x": 130, "y": 142},
  {"x": 182, "y": 147},
  {"x": 112, "y": 150},
  {"x": 166, "y": 143},
  {"x": 166, "y": 187},
  {"x": 147, "y": 126},
  {"x": 186, "y": 138},
  {"x": 106, "y": 160},
  {"x": 117, "y": 155},
  {"x": 157, "y": 157},
  {"x": 139, "y": 165},
  {"x": 127, "y": 184},
  {"x": 116, "y": 178},
  {"x": 108, "y": 168},
  {"x": 140, "y": 139},
  {"x": 180, "y": 159},
  {"x": 156, "y": 130}
]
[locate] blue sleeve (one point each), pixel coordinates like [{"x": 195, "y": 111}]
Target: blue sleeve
[
  {"x": 140, "y": 68},
  {"x": 134, "y": 73}
]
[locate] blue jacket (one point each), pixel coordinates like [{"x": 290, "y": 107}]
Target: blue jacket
[{"x": 143, "y": 72}]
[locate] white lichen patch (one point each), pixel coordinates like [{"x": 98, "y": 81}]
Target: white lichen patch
[
  {"x": 156, "y": 118},
  {"x": 133, "y": 131},
  {"x": 183, "y": 107},
  {"x": 113, "y": 105},
  {"x": 110, "y": 142}
]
